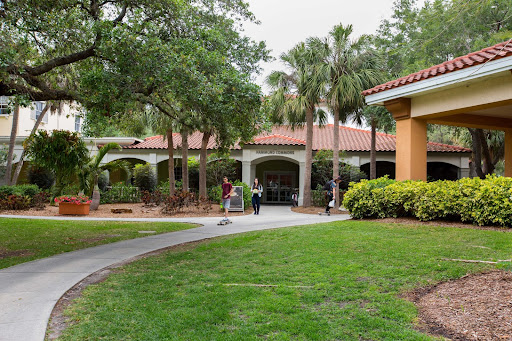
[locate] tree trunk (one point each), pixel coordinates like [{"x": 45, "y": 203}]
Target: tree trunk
[
  {"x": 373, "y": 152},
  {"x": 309, "y": 157},
  {"x": 184, "y": 159},
  {"x": 170, "y": 149},
  {"x": 34, "y": 129},
  {"x": 12, "y": 142},
  {"x": 336, "y": 154},
  {"x": 477, "y": 153},
  {"x": 202, "y": 164},
  {"x": 488, "y": 166}
]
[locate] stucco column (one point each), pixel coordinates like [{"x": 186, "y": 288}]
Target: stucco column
[
  {"x": 508, "y": 152},
  {"x": 411, "y": 149},
  {"x": 246, "y": 172},
  {"x": 302, "y": 171}
]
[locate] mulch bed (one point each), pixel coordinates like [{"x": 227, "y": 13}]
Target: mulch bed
[
  {"x": 474, "y": 307},
  {"x": 316, "y": 210},
  {"x": 138, "y": 211}
]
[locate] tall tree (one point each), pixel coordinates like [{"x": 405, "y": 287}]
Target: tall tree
[
  {"x": 349, "y": 67},
  {"x": 296, "y": 96}
]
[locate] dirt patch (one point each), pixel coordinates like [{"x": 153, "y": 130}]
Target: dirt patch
[
  {"x": 15, "y": 253},
  {"x": 138, "y": 211},
  {"x": 316, "y": 210},
  {"x": 474, "y": 307}
]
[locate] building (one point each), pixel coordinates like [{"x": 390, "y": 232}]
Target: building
[
  {"x": 277, "y": 158},
  {"x": 473, "y": 91},
  {"x": 67, "y": 117}
]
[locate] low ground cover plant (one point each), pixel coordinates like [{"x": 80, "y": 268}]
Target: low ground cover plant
[
  {"x": 24, "y": 240},
  {"x": 335, "y": 281},
  {"x": 22, "y": 197},
  {"x": 478, "y": 201}
]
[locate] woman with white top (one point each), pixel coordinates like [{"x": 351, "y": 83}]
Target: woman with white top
[{"x": 256, "y": 190}]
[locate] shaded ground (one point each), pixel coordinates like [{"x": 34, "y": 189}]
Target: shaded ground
[
  {"x": 474, "y": 307},
  {"x": 315, "y": 210},
  {"x": 139, "y": 211}
]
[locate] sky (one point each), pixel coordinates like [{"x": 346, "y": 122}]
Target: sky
[{"x": 284, "y": 23}]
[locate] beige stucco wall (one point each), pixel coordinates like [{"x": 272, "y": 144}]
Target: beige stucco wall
[
  {"x": 472, "y": 95},
  {"x": 65, "y": 120}
]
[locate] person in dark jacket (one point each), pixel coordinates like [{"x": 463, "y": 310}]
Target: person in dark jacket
[{"x": 256, "y": 190}]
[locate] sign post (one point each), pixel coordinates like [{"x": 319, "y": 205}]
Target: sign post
[{"x": 237, "y": 200}]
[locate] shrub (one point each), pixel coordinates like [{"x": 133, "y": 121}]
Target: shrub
[
  {"x": 219, "y": 165},
  {"x": 176, "y": 203},
  {"x": 145, "y": 177},
  {"x": 318, "y": 196},
  {"x": 103, "y": 181},
  {"x": 481, "y": 202},
  {"x": 119, "y": 192},
  {"x": 215, "y": 194},
  {"x": 41, "y": 177},
  {"x": 15, "y": 202}
]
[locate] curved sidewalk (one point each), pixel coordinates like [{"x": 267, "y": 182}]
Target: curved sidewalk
[{"x": 29, "y": 291}]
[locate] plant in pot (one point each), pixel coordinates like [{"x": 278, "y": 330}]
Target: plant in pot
[{"x": 76, "y": 205}]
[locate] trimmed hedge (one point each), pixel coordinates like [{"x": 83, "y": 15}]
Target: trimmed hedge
[{"x": 480, "y": 202}]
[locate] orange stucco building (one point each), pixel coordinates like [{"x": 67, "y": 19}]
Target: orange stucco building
[{"x": 472, "y": 91}]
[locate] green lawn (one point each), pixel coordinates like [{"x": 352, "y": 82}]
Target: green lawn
[
  {"x": 23, "y": 240},
  {"x": 336, "y": 281}
]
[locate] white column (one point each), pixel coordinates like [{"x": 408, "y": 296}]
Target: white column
[
  {"x": 253, "y": 173},
  {"x": 246, "y": 172},
  {"x": 302, "y": 171}
]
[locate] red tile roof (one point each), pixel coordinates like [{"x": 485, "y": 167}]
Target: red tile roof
[
  {"x": 351, "y": 140},
  {"x": 483, "y": 56}
]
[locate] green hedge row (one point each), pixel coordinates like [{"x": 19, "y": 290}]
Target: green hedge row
[{"x": 480, "y": 202}]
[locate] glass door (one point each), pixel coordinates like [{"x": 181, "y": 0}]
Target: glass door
[{"x": 278, "y": 188}]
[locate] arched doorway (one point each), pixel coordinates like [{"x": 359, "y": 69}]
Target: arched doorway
[
  {"x": 280, "y": 179},
  {"x": 442, "y": 171},
  {"x": 120, "y": 175},
  {"x": 163, "y": 170},
  {"x": 383, "y": 168}
]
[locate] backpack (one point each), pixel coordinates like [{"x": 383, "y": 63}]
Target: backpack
[{"x": 327, "y": 186}]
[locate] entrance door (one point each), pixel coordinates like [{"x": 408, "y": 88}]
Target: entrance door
[{"x": 278, "y": 187}]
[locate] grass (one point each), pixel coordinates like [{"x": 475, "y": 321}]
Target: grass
[
  {"x": 336, "y": 281},
  {"x": 23, "y": 240}
]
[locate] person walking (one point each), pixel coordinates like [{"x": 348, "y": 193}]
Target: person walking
[
  {"x": 256, "y": 190},
  {"x": 227, "y": 192},
  {"x": 330, "y": 193}
]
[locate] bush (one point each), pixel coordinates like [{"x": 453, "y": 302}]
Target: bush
[
  {"x": 219, "y": 166},
  {"x": 15, "y": 202},
  {"x": 20, "y": 190},
  {"x": 481, "y": 202},
  {"x": 41, "y": 177},
  {"x": 120, "y": 193},
  {"x": 318, "y": 196},
  {"x": 145, "y": 177},
  {"x": 103, "y": 181}
]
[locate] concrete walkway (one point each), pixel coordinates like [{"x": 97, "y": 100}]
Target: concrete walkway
[{"x": 29, "y": 291}]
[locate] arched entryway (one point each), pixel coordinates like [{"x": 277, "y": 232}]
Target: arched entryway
[
  {"x": 280, "y": 179},
  {"x": 442, "y": 171},
  {"x": 383, "y": 168},
  {"x": 120, "y": 175}
]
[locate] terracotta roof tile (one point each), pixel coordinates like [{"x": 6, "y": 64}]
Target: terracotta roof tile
[
  {"x": 351, "y": 140},
  {"x": 497, "y": 51}
]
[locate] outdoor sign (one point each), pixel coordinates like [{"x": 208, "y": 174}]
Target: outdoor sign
[{"x": 237, "y": 199}]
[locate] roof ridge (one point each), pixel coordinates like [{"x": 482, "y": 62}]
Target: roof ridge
[{"x": 502, "y": 50}]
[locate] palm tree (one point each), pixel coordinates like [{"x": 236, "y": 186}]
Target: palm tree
[
  {"x": 295, "y": 97},
  {"x": 349, "y": 67},
  {"x": 89, "y": 174}
]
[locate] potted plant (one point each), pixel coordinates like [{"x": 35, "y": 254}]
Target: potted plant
[{"x": 77, "y": 205}]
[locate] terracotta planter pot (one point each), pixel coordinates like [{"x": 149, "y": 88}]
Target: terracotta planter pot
[{"x": 69, "y": 208}]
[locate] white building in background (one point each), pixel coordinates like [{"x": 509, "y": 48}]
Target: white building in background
[{"x": 66, "y": 118}]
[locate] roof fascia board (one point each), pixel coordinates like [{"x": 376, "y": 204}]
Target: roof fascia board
[{"x": 438, "y": 82}]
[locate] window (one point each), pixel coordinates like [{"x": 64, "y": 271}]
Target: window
[
  {"x": 4, "y": 106},
  {"x": 39, "y": 109},
  {"x": 77, "y": 123}
]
